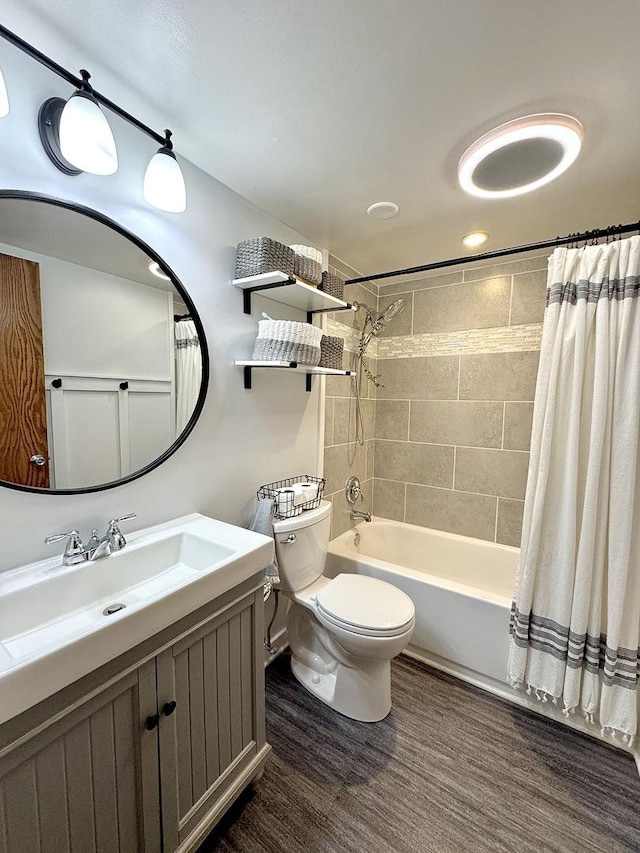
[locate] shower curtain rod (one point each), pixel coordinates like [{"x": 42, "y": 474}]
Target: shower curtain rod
[{"x": 588, "y": 236}]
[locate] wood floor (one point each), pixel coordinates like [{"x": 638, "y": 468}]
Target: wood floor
[{"x": 452, "y": 769}]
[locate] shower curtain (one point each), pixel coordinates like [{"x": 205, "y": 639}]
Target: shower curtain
[
  {"x": 575, "y": 619},
  {"x": 188, "y": 371}
]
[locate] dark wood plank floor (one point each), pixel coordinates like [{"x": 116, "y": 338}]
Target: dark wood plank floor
[{"x": 452, "y": 769}]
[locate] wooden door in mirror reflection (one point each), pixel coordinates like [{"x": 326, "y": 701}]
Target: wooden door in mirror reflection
[{"x": 23, "y": 417}]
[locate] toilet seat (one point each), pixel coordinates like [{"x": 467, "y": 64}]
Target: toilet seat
[{"x": 365, "y": 606}]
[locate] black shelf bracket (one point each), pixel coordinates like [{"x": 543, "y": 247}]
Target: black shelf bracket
[
  {"x": 247, "y": 378},
  {"x": 246, "y": 294}
]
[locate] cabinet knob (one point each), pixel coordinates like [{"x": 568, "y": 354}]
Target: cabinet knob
[
  {"x": 168, "y": 708},
  {"x": 151, "y": 722}
]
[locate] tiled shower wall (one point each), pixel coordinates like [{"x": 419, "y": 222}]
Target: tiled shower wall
[
  {"x": 453, "y": 420},
  {"x": 344, "y": 456}
]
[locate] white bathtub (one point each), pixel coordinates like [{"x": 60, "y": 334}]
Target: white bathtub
[{"x": 461, "y": 587}]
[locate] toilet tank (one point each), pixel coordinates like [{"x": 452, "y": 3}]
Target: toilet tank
[{"x": 301, "y": 547}]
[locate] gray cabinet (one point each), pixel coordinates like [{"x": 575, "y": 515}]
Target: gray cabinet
[{"x": 112, "y": 765}]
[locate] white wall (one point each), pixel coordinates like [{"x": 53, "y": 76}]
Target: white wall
[{"x": 243, "y": 438}]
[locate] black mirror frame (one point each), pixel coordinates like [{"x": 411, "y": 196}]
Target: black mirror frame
[{"x": 166, "y": 269}]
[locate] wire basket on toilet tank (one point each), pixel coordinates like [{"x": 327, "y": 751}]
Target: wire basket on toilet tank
[{"x": 293, "y": 495}]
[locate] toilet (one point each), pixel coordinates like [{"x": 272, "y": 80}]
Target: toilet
[{"x": 344, "y": 631}]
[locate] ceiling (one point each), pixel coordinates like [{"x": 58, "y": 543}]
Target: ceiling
[{"x": 314, "y": 111}]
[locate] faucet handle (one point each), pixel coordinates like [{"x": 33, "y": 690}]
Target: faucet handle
[
  {"x": 74, "y": 551},
  {"x": 114, "y": 534},
  {"x": 123, "y": 518}
]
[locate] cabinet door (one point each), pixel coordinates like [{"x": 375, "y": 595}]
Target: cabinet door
[
  {"x": 88, "y": 782},
  {"x": 215, "y": 675}
]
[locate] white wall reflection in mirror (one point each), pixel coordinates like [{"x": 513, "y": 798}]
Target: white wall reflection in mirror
[{"x": 99, "y": 379}]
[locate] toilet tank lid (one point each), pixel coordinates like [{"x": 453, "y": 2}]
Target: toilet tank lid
[{"x": 305, "y": 519}]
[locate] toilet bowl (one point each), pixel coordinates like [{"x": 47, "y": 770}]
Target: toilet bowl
[{"x": 343, "y": 631}]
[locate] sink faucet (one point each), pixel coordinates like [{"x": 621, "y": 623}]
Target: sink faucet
[
  {"x": 77, "y": 552},
  {"x": 356, "y": 513}
]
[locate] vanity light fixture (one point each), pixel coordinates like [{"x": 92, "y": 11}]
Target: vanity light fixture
[
  {"x": 520, "y": 156},
  {"x": 163, "y": 182},
  {"x": 474, "y": 239},
  {"x": 77, "y": 138},
  {"x": 86, "y": 140},
  {"x": 4, "y": 98}
]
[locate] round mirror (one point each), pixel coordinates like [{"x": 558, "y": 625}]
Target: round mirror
[{"x": 103, "y": 359}]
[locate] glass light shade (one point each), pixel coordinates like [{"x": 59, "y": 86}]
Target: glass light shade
[
  {"x": 4, "y": 98},
  {"x": 86, "y": 140},
  {"x": 164, "y": 184}
]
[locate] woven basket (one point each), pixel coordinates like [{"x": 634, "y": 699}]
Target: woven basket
[
  {"x": 333, "y": 285},
  {"x": 286, "y": 340},
  {"x": 331, "y": 351},
  {"x": 262, "y": 254},
  {"x": 307, "y": 263}
]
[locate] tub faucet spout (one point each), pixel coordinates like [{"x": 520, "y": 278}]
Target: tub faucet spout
[{"x": 356, "y": 514}]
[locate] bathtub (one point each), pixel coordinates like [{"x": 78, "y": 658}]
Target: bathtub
[{"x": 461, "y": 587}]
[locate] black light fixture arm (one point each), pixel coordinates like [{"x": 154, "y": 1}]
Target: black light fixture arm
[
  {"x": 585, "y": 236},
  {"x": 78, "y": 82}
]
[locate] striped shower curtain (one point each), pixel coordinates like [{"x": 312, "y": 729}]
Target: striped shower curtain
[{"x": 575, "y": 619}]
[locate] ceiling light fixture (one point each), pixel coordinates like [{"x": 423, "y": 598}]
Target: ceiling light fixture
[
  {"x": 383, "y": 210},
  {"x": 77, "y": 137},
  {"x": 4, "y": 98},
  {"x": 474, "y": 239},
  {"x": 520, "y": 156}
]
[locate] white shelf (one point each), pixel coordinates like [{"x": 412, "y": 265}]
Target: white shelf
[
  {"x": 291, "y": 366},
  {"x": 279, "y": 287}
]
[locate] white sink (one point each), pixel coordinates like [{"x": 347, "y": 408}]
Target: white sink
[{"x": 53, "y": 624}]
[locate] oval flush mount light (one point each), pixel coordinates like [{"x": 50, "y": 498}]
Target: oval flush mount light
[
  {"x": 520, "y": 156},
  {"x": 383, "y": 210},
  {"x": 474, "y": 239}
]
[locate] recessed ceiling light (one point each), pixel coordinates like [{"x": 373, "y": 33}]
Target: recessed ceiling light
[
  {"x": 520, "y": 156},
  {"x": 383, "y": 210},
  {"x": 474, "y": 239},
  {"x": 154, "y": 267}
]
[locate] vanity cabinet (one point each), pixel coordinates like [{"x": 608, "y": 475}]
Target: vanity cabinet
[{"x": 146, "y": 754}]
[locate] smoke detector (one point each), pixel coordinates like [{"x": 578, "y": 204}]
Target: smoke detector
[
  {"x": 382, "y": 210},
  {"x": 520, "y": 156}
]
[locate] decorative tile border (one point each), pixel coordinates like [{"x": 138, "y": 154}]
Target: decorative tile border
[
  {"x": 522, "y": 338},
  {"x": 351, "y": 337}
]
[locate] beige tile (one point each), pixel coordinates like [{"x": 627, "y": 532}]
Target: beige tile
[
  {"x": 429, "y": 464},
  {"x": 370, "y": 449},
  {"x": 434, "y": 378},
  {"x": 517, "y": 426},
  {"x": 344, "y": 429},
  {"x": 509, "y": 522},
  {"x": 338, "y": 386},
  {"x": 477, "y": 305},
  {"x": 455, "y": 512},
  {"x": 392, "y": 419},
  {"x": 528, "y": 298},
  {"x": 401, "y": 324},
  {"x": 456, "y": 422},
  {"x": 388, "y": 499},
  {"x": 341, "y": 462},
  {"x": 491, "y": 472},
  {"x": 499, "y": 376},
  {"x": 328, "y": 421},
  {"x": 527, "y": 264},
  {"x": 408, "y": 285}
]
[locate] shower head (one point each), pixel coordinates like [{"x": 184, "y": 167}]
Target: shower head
[{"x": 393, "y": 310}]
